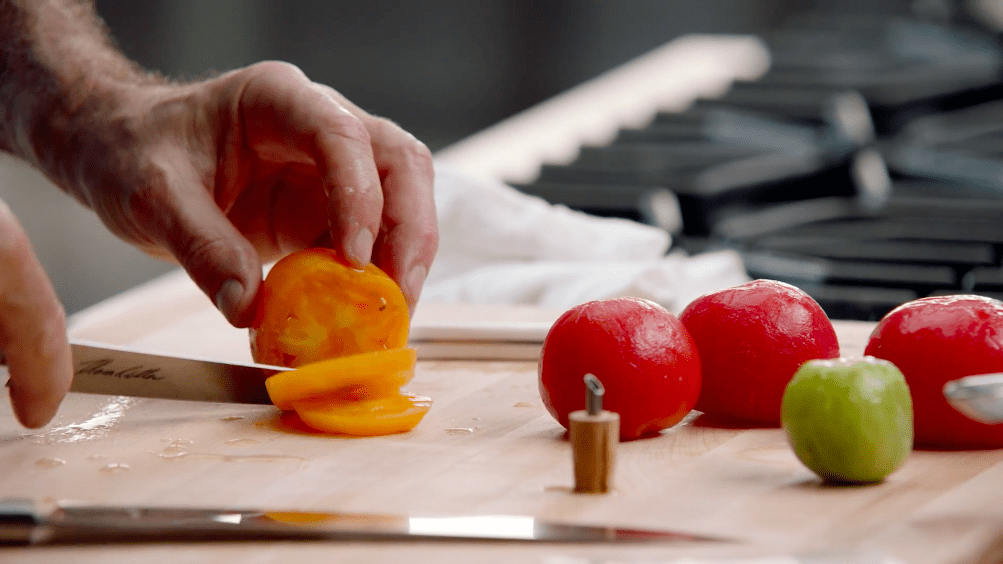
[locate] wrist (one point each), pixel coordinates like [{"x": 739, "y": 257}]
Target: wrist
[
  {"x": 59, "y": 75},
  {"x": 83, "y": 129}
]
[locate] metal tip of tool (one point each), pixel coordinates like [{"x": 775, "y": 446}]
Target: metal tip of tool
[{"x": 594, "y": 392}]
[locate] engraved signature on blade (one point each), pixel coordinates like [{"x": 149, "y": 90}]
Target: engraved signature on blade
[{"x": 101, "y": 367}]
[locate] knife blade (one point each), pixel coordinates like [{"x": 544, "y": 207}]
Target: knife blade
[
  {"x": 23, "y": 522},
  {"x": 106, "y": 369},
  {"x": 979, "y": 397}
]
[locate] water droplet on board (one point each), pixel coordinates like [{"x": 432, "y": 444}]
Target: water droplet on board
[
  {"x": 232, "y": 418},
  {"x": 115, "y": 468},
  {"x": 460, "y": 431},
  {"x": 97, "y": 457},
  {"x": 524, "y": 404},
  {"x": 173, "y": 451},
  {"x": 49, "y": 462},
  {"x": 241, "y": 442}
]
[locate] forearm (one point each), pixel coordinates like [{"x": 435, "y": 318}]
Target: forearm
[{"x": 58, "y": 70}]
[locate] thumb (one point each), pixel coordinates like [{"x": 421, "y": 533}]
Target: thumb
[{"x": 218, "y": 258}]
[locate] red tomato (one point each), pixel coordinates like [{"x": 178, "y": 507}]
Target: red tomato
[
  {"x": 935, "y": 340},
  {"x": 640, "y": 352},
  {"x": 752, "y": 338}
]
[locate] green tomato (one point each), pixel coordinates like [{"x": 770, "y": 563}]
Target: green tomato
[{"x": 849, "y": 421}]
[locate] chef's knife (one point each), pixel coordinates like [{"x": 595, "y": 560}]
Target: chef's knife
[
  {"x": 106, "y": 369},
  {"x": 979, "y": 397},
  {"x": 24, "y": 522}
]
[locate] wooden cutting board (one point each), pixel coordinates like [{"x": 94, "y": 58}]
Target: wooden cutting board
[{"x": 487, "y": 447}]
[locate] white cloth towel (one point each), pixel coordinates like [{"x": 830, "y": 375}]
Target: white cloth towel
[{"x": 500, "y": 246}]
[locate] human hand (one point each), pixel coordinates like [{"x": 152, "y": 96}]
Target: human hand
[
  {"x": 32, "y": 328},
  {"x": 220, "y": 175},
  {"x": 224, "y": 174}
]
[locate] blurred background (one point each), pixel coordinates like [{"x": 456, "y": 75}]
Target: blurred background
[{"x": 443, "y": 70}]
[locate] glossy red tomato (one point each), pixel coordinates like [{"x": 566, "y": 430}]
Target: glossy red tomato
[
  {"x": 640, "y": 352},
  {"x": 752, "y": 338},
  {"x": 935, "y": 340}
]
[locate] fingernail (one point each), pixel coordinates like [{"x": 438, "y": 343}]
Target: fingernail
[
  {"x": 414, "y": 281},
  {"x": 228, "y": 298},
  {"x": 362, "y": 247}
]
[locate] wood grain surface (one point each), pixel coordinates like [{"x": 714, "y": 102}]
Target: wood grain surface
[{"x": 487, "y": 446}]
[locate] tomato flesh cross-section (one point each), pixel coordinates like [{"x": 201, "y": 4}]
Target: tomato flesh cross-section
[
  {"x": 360, "y": 376},
  {"x": 387, "y": 415}
]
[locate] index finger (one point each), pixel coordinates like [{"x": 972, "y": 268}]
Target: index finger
[
  {"x": 410, "y": 236},
  {"x": 32, "y": 329},
  {"x": 288, "y": 118}
]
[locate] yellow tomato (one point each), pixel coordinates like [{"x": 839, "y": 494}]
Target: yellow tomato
[
  {"x": 345, "y": 331},
  {"x": 314, "y": 307},
  {"x": 360, "y": 376},
  {"x": 396, "y": 413}
]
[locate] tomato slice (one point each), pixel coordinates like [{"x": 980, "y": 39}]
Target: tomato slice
[
  {"x": 356, "y": 377},
  {"x": 397, "y": 413}
]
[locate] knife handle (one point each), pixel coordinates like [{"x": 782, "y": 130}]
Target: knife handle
[{"x": 19, "y": 521}]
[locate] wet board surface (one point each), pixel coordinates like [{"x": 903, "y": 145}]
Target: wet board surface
[{"x": 487, "y": 446}]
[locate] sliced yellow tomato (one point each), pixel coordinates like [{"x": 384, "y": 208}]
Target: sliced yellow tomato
[
  {"x": 356, "y": 377},
  {"x": 315, "y": 307},
  {"x": 397, "y": 413}
]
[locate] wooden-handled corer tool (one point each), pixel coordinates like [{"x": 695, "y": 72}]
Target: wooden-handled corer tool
[{"x": 594, "y": 434}]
